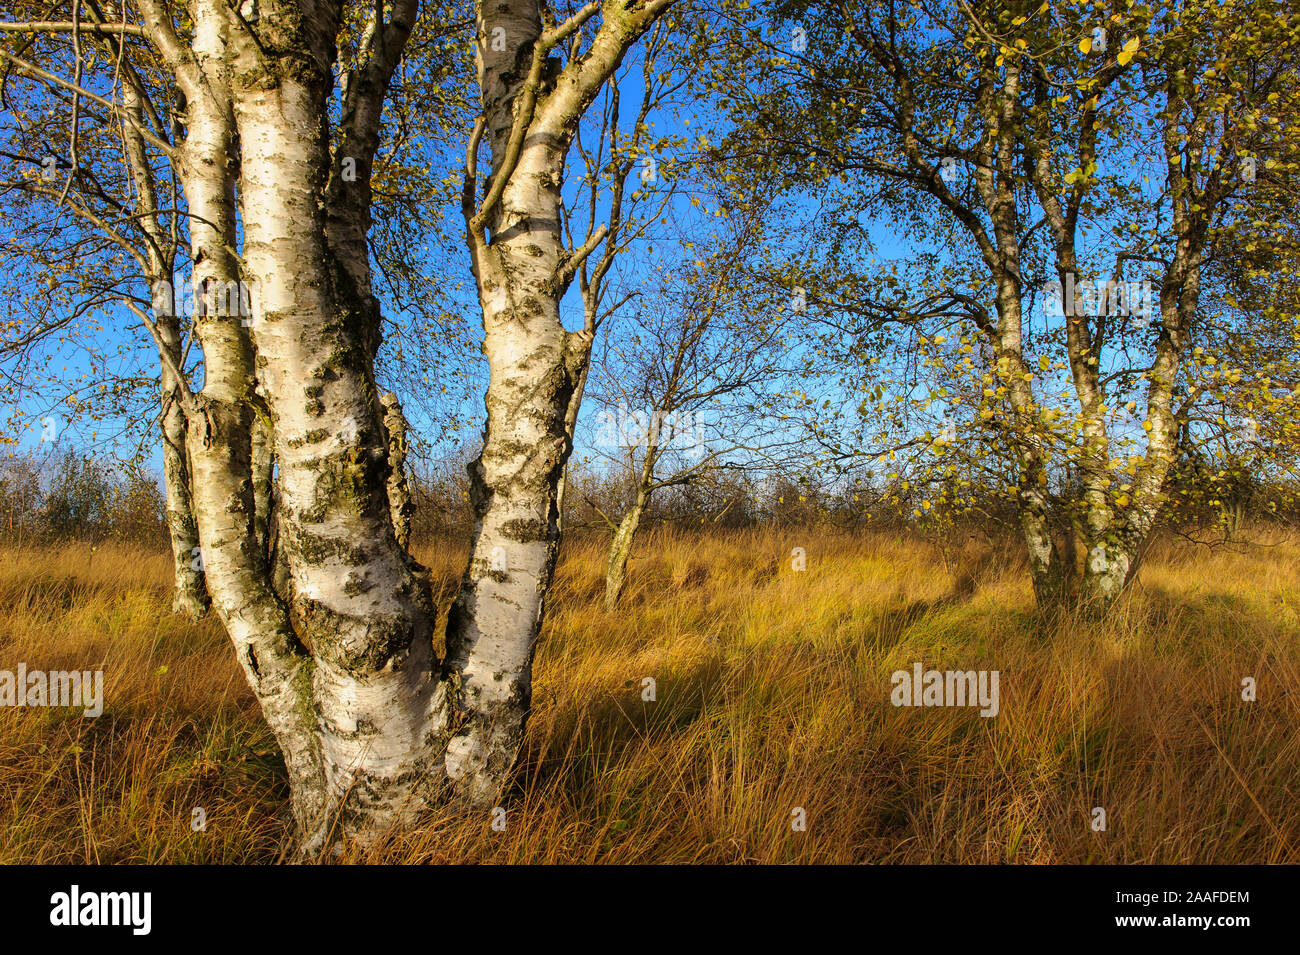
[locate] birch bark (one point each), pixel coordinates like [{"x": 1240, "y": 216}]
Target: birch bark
[
  {"x": 530, "y": 110},
  {"x": 340, "y": 654},
  {"x": 620, "y": 547},
  {"x": 357, "y": 600}
]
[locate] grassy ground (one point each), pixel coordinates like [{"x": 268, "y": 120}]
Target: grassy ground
[{"x": 772, "y": 692}]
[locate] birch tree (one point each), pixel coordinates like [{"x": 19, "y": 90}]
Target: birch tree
[
  {"x": 983, "y": 125},
  {"x": 532, "y": 102},
  {"x": 898, "y": 99},
  {"x": 374, "y": 727},
  {"x": 694, "y": 383},
  {"x": 1086, "y": 103},
  {"x": 103, "y": 222}
]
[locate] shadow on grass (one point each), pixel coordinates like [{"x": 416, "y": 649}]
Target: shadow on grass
[
  {"x": 32, "y": 593},
  {"x": 613, "y": 728}
]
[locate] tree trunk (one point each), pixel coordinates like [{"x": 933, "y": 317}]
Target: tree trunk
[
  {"x": 189, "y": 592},
  {"x": 1046, "y": 567},
  {"x": 619, "y": 550},
  {"x": 339, "y": 653},
  {"x": 356, "y": 600},
  {"x": 621, "y": 546},
  {"x": 530, "y": 112},
  {"x": 399, "y": 491},
  {"x": 583, "y": 359}
]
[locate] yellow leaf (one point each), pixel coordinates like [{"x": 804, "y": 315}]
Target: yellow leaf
[{"x": 1085, "y": 45}]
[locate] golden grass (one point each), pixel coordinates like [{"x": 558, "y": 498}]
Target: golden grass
[{"x": 772, "y": 693}]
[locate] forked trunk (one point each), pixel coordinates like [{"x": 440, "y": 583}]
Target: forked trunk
[
  {"x": 530, "y": 112},
  {"x": 340, "y": 653}
]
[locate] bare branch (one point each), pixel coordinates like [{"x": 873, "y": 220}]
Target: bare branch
[
  {"x": 34, "y": 70},
  {"x": 85, "y": 26}
]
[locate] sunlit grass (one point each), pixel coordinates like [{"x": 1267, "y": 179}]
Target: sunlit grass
[{"x": 771, "y": 694}]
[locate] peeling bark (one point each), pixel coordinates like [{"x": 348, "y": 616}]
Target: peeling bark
[{"x": 399, "y": 491}]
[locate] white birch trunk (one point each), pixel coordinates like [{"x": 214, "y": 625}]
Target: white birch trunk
[
  {"x": 530, "y": 113},
  {"x": 620, "y": 549},
  {"x": 358, "y": 604},
  {"x": 189, "y": 593}
]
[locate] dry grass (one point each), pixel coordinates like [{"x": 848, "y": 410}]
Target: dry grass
[{"x": 772, "y": 693}]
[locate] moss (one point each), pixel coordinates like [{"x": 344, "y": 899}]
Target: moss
[
  {"x": 315, "y": 549},
  {"x": 356, "y": 586},
  {"x": 526, "y": 530},
  {"x": 305, "y": 707},
  {"x": 387, "y": 639}
]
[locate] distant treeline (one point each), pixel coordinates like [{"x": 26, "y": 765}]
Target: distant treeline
[{"x": 73, "y": 496}]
